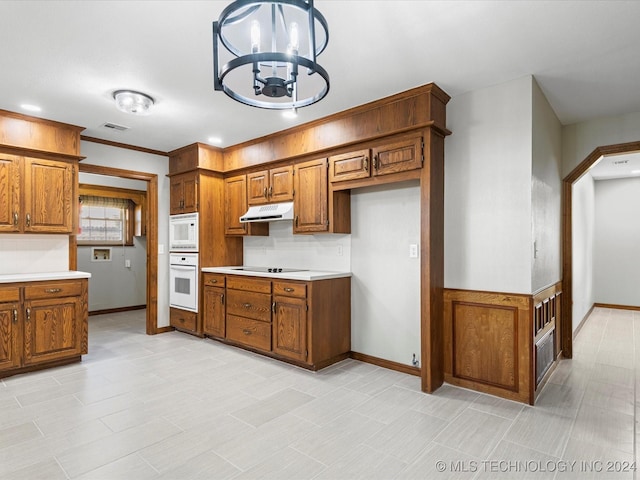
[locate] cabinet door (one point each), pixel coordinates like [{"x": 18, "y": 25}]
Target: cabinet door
[
  {"x": 258, "y": 188},
  {"x": 52, "y": 329},
  {"x": 349, "y": 166},
  {"x": 9, "y": 336},
  {"x": 311, "y": 202},
  {"x": 213, "y": 312},
  {"x": 235, "y": 205},
  {"x": 289, "y": 335},
  {"x": 402, "y": 154},
  {"x": 49, "y": 190},
  {"x": 190, "y": 193},
  {"x": 10, "y": 193},
  {"x": 183, "y": 193},
  {"x": 281, "y": 184}
]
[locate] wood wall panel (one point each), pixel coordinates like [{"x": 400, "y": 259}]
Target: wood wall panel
[
  {"x": 420, "y": 107},
  {"x": 485, "y": 344},
  {"x": 488, "y": 341},
  {"x": 37, "y": 134}
]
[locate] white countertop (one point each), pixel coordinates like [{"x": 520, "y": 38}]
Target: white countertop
[
  {"x": 304, "y": 275},
  {"x": 38, "y": 277}
]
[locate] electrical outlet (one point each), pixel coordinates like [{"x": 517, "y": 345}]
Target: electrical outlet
[
  {"x": 339, "y": 250},
  {"x": 160, "y": 248},
  {"x": 127, "y": 263},
  {"x": 413, "y": 250}
]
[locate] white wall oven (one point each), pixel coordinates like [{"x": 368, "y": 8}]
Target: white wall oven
[
  {"x": 183, "y": 232},
  {"x": 183, "y": 276}
]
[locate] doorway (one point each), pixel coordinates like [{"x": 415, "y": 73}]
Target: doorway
[
  {"x": 152, "y": 237},
  {"x": 567, "y": 235}
]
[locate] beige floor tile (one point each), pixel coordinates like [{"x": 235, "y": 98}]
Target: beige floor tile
[
  {"x": 327, "y": 408},
  {"x": 441, "y": 463},
  {"x": 263, "y": 411},
  {"x": 497, "y": 406},
  {"x": 515, "y": 462},
  {"x": 560, "y": 399},
  {"x": 206, "y": 466},
  {"x": 474, "y": 433},
  {"x": 289, "y": 464},
  {"x": 362, "y": 463},
  {"x": 19, "y": 433},
  {"x": 447, "y": 402},
  {"x": 540, "y": 430},
  {"x": 126, "y": 468},
  {"x": 595, "y": 462},
  {"x": 619, "y": 399},
  {"x": 46, "y": 469},
  {"x": 604, "y": 427},
  {"x": 406, "y": 437},
  {"x": 389, "y": 404}
]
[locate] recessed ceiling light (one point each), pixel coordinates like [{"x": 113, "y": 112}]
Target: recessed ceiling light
[
  {"x": 215, "y": 140},
  {"x": 130, "y": 101},
  {"x": 30, "y": 108}
]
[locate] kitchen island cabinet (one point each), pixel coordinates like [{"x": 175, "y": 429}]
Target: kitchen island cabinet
[
  {"x": 305, "y": 322},
  {"x": 42, "y": 323}
]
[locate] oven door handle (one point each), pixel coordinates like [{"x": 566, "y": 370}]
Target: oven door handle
[{"x": 184, "y": 269}]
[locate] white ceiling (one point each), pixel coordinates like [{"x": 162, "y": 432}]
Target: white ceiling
[{"x": 69, "y": 56}]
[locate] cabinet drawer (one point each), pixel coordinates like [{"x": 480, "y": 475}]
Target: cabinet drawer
[
  {"x": 249, "y": 332},
  {"x": 9, "y": 294},
  {"x": 52, "y": 290},
  {"x": 257, "y": 285},
  {"x": 183, "y": 319},
  {"x": 249, "y": 304},
  {"x": 213, "y": 280},
  {"x": 290, "y": 289},
  {"x": 349, "y": 166}
]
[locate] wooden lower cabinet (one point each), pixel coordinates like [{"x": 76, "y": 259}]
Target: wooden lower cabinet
[
  {"x": 183, "y": 320},
  {"x": 305, "y": 323},
  {"x": 41, "y": 324},
  {"x": 213, "y": 305}
]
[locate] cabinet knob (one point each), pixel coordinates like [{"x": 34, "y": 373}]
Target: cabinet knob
[
  {"x": 246, "y": 305},
  {"x": 288, "y": 289},
  {"x": 246, "y": 331}
]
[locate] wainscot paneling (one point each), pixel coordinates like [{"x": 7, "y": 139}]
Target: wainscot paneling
[{"x": 494, "y": 341}]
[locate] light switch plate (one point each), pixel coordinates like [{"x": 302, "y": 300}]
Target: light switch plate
[{"x": 413, "y": 250}]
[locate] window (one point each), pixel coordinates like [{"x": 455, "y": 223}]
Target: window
[{"x": 105, "y": 221}]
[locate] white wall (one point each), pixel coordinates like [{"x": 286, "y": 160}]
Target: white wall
[
  {"x": 546, "y": 194},
  {"x": 580, "y": 139},
  {"x": 36, "y": 253},
  {"x": 104, "y": 155},
  {"x": 582, "y": 226},
  {"x": 488, "y": 173},
  {"x": 112, "y": 284},
  {"x": 616, "y": 246},
  {"x": 385, "y": 298}
]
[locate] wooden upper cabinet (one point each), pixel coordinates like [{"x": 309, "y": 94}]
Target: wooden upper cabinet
[
  {"x": 37, "y": 195},
  {"x": 235, "y": 205},
  {"x": 10, "y": 193},
  {"x": 396, "y": 154},
  {"x": 184, "y": 193},
  {"x": 349, "y": 166},
  {"x": 311, "y": 202},
  {"x": 49, "y": 192},
  {"x": 270, "y": 186},
  {"x": 399, "y": 155}
]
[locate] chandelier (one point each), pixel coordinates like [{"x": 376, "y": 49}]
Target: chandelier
[{"x": 264, "y": 53}]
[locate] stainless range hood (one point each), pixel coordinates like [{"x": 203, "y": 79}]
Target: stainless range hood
[{"x": 269, "y": 213}]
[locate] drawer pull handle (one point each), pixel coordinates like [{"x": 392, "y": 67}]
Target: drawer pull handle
[
  {"x": 222, "y": 298},
  {"x": 15, "y": 219},
  {"x": 288, "y": 289},
  {"x": 246, "y": 305},
  {"x": 246, "y": 331},
  {"x": 271, "y": 191},
  {"x": 273, "y": 307},
  {"x": 213, "y": 281},
  {"x": 264, "y": 194},
  {"x": 28, "y": 219},
  {"x": 15, "y": 316},
  {"x": 375, "y": 161},
  {"x": 366, "y": 164},
  {"x": 52, "y": 290},
  {"x": 28, "y": 314}
]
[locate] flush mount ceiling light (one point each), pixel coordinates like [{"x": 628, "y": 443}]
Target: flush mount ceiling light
[
  {"x": 130, "y": 101},
  {"x": 270, "y": 49}
]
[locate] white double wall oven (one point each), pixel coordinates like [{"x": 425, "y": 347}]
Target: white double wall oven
[{"x": 183, "y": 261}]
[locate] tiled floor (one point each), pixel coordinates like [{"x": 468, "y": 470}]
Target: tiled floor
[{"x": 173, "y": 406}]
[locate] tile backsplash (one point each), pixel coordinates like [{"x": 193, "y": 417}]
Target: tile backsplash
[{"x": 21, "y": 253}]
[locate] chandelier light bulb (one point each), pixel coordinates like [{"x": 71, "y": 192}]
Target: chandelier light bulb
[{"x": 255, "y": 36}]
